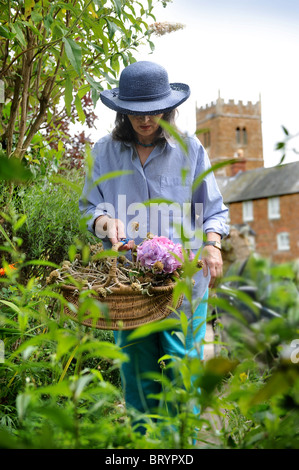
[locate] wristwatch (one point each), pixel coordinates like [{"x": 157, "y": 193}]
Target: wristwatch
[{"x": 213, "y": 243}]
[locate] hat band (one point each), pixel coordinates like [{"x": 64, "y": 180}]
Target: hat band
[{"x": 144, "y": 98}]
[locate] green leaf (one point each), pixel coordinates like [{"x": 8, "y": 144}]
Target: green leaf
[
  {"x": 14, "y": 307},
  {"x": 29, "y": 4},
  {"x": 157, "y": 200},
  {"x": 278, "y": 384},
  {"x": 112, "y": 28},
  {"x": 62, "y": 389},
  {"x": 72, "y": 252},
  {"x": 79, "y": 108},
  {"x": 19, "y": 34},
  {"x": 5, "y": 33},
  {"x": 83, "y": 90},
  {"x": 39, "y": 262},
  {"x": 96, "y": 85},
  {"x": 6, "y": 237},
  {"x": 152, "y": 45},
  {"x": 36, "y": 17},
  {"x": 145, "y": 330},
  {"x": 61, "y": 180},
  {"x": 103, "y": 349},
  {"x": 184, "y": 323},
  {"x": 214, "y": 371},
  {"x": 280, "y": 145},
  {"x": 118, "y": 7},
  {"x": 173, "y": 132},
  {"x": 20, "y": 222},
  {"x": 61, "y": 417},
  {"x": 74, "y": 53},
  {"x": 110, "y": 175},
  {"x": 285, "y": 130},
  {"x": 12, "y": 169},
  {"x": 215, "y": 167},
  {"x": 114, "y": 61}
]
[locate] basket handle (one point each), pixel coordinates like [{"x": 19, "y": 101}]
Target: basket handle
[{"x": 112, "y": 279}]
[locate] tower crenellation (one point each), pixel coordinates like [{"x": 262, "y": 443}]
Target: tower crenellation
[
  {"x": 229, "y": 107},
  {"x": 231, "y": 129}
]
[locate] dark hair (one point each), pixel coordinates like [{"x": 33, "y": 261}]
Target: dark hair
[{"x": 124, "y": 131}]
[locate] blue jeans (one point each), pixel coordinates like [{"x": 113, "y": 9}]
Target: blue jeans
[{"x": 144, "y": 354}]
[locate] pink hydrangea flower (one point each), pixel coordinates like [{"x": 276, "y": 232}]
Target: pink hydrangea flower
[{"x": 160, "y": 249}]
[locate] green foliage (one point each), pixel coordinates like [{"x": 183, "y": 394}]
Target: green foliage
[
  {"x": 52, "y": 221},
  {"x": 11, "y": 169},
  {"x": 61, "y": 50},
  {"x": 60, "y": 383},
  {"x": 44, "y": 219},
  {"x": 283, "y": 145}
]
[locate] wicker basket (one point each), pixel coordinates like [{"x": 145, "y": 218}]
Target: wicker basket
[{"x": 127, "y": 308}]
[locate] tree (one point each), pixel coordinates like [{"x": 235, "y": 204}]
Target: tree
[{"x": 54, "y": 50}]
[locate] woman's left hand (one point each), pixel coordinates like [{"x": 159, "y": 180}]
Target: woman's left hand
[{"x": 212, "y": 260}]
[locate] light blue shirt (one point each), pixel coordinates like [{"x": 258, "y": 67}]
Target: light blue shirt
[{"x": 160, "y": 177}]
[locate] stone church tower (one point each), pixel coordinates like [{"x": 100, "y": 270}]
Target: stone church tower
[{"x": 231, "y": 130}]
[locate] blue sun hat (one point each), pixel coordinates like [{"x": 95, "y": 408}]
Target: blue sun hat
[{"x": 144, "y": 88}]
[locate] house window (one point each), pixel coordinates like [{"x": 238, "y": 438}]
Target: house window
[
  {"x": 274, "y": 208},
  {"x": 283, "y": 241},
  {"x": 247, "y": 211},
  {"x": 238, "y": 135}
]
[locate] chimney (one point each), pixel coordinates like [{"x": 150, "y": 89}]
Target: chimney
[{"x": 239, "y": 164}]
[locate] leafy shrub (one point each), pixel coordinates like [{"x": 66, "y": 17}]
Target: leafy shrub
[{"x": 44, "y": 221}]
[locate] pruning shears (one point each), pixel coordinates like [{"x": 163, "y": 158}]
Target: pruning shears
[{"x": 124, "y": 240}]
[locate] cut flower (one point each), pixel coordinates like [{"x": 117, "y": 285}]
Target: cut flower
[{"x": 158, "y": 253}]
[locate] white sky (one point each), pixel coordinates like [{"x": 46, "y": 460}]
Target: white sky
[{"x": 243, "y": 48}]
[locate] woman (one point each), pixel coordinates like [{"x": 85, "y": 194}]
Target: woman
[{"x": 153, "y": 165}]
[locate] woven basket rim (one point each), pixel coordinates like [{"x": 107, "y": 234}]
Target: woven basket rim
[
  {"x": 119, "y": 288},
  {"x": 156, "y": 306}
]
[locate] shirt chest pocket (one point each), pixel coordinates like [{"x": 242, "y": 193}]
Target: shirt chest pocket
[{"x": 173, "y": 188}]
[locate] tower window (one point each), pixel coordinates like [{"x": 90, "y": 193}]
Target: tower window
[
  {"x": 241, "y": 136},
  {"x": 207, "y": 139}
]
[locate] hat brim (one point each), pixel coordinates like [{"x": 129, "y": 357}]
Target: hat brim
[{"x": 180, "y": 92}]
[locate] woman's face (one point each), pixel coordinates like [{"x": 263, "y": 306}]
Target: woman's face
[{"x": 145, "y": 127}]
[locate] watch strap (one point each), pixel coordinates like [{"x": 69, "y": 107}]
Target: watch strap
[{"x": 213, "y": 243}]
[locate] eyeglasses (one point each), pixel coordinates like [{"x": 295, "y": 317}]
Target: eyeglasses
[{"x": 141, "y": 117}]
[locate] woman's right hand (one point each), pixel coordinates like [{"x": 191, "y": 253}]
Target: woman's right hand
[{"x": 114, "y": 229}]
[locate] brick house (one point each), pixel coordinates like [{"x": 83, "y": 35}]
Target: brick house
[{"x": 265, "y": 200}]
